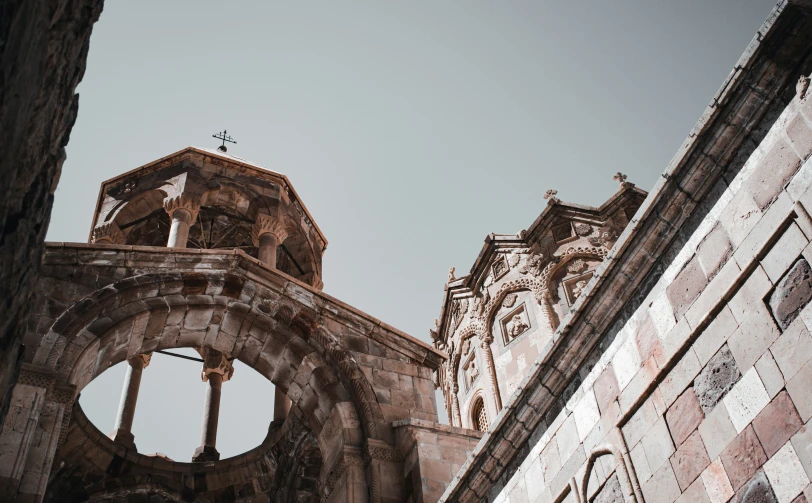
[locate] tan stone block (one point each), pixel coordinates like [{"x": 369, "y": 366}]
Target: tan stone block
[
  {"x": 662, "y": 487},
  {"x": 751, "y": 294},
  {"x": 680, "y": 377},
  {"x": 640, "y": 423},
  {"x": 800, "y": 135},
  {"x": 606, "y": 388},
  {"x": 714, "y": 250},
  {"x": 770, "y": 374},
  {"x": 717, "y": 431},
  {"x": 717, "y": 333},
  {"x": 802, "y": 442},
  {"x": 658, "y": 445},
  {"x": 695, "y": 493},
  {"x": 756, "y": 333},
  {"x": 798, "y": 389},
  {"x": 716, "y": 483},
  {"x": 788, "y": 248},
  {"x": 740, "y": 216}
]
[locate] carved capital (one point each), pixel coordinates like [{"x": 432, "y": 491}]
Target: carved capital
[
  {"x": 140, "y": 361},
  {"x": 183, "y": 202},
  {"x": 266, "y": 224},
  {"x": 108, "y": 232},
  {"x": 216, "y": 362}
]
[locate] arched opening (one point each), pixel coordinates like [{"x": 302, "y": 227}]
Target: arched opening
[{"x": 479, "y": 415}]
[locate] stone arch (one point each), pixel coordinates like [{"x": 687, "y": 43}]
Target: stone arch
[
  {"x": 627, "y": 486},
  {"x": 280, "y": 340}
]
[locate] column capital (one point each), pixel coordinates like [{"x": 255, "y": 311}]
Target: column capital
[
  {"x": 108, "y": 232},
  {"x": 216, "y": 362},
  {"x": 186, "y": 202},
  {"x": 266, "y": 224},
  {"x": 140, "y": 361}
]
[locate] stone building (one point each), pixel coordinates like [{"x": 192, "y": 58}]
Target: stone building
[{"x": 653, "y": 349}]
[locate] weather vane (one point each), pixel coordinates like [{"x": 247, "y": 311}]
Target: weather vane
[{"x": 226, "y": 138}]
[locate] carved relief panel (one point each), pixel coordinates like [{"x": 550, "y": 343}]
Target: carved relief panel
[{"x": 515, "y": 323}]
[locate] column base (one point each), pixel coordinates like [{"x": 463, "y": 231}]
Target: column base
[
  {"x": 124, "y": 438},
  {"x": 205, "y": 453}
]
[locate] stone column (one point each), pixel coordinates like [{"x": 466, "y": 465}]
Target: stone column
[
  {"x": 129, "y": 396},
  {"x": 455, "y": 408},
  {"x": 487, "y": 354},
  {"x": 182, "y": 211},
  {"x": 216, "y": 370},
  {"x": 268, "y": 232}
]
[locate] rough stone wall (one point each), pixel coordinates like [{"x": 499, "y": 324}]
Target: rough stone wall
[
  {"x": 43, "y": 51},
  {"x": 703, "y": 395}
]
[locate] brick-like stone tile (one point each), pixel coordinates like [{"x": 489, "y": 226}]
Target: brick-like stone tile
[
  {"x": 786, "y": 474},
  {"x": 755, "y": 335},
  {"x": 714, "y": 250},
  {"x": 567, "y": 438},
  {"x": 751, "y": 293},
  {"x": 798, "y": 389},
  {"x": 695, "y": 493},
  {"x": 800, "y": 135},
  {"x": 802, "y": 442},
  {"x": 709, "y": 341},
  {"x": 717, "y": 431},
  {"x": 684, "y": 416},
  {"x": 606, "y": 388},
  {"x": 792, "y": 349},
  {"x": 686, "y": 287},
  {"x": 773, "y": 172},
  {"x": 770, "y": 374},
  {"x": 747, "y": 398},
  {"x": 716, "y": 483},
  {"x": 640, "y": 422},
  {"x": 740, "y": 216},
  {"x": 756, "y": 490},
  {"x": 657, "y": 445},
  {"x": 640, "y": 463},
  {"x": 680, "y": 377},
  {"x": 690, "y": 460},
  {"x": 777, "y": 423},
  {"x": 662, "y": 487},
  {"x": 792, "y": 293},
  {"x": 784, "y": 252},
  {"x": 743, "y": 457},
  {"x": 717, "y": 378}
]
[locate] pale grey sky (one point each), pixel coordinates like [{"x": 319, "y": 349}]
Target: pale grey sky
[{"x": 411, "y": 130}]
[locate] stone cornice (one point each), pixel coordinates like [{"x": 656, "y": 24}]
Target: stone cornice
[{"x": 711, "y": 147}]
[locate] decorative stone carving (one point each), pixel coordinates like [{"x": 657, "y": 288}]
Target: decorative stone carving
[
  {"x": 216, "y": 362},
  {"x": 500, "y": 267},
  {"x": 462, "y": 309},
  {"x": 466, "y": 347},
  {"x": 183, "y": 202},
  {"x": 515, "y": 324},
  {"x": 108, "y": 232},
  {"x": 578, "y": 288},
  {"x": 801, "y": 87},
  {"x": 266, "y": 224},
  {"x": 576, "y": 266},
  {"x": 514, "y": 258},
  {"x": 550, "y": 194},
  {"x": 471, "y": 373},
  {"x": 583, "y": 229},
  {"x": 606, "y": 237},
  {"x": 451, "y": 274},
  {"x": 532, "y": 265},
  {"x": 509, "y": 300}
]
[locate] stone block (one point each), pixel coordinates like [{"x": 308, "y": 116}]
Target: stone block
[
  {"x": 798, "y": 389},
  {"x": 586, "y": 414},
  {"x": 684, "y": 416},
  {"x": 680, "y": 377},
  {"x": 773, "y": 172},
  {"x": 609, "y": 493},
  {"x": 714, "y": 250},
  {"x": 747, "y": 398},
  {"x": 786, "y": 474},
  {"x": 550, "y": 461},
  {"x": 658, "y": 445},
  {"x": 784, "y": 252},
  {"x": 756, "y": 490},
  {"x": 662, "y": 487},
  {"x": 743, "y": 457},
  {"x": 567, "y": 438},
  {"x": 716, "y": 379},
  {"x": 715, "y": 335},
  {"x": 770, "y": 374},
  {"x": 754, "y": 336},
  {"x": 690, "y": 460},
  {"x": 640, "y": 463},
  {"x": 606, "y": 388},
  {"x": 751, "y": 293},
  {"x": 626, "y": 363},
  {"x": 792, "y": 293},
  {"x": 740, "y": 216},
  {"x": 717, "y": 431},
  {"x": 695, "y": 493},
  {"x": 716, "y": 482},
  {"x": 802, "y": 442},
  {"x": 777, "y": 423},
  {"x": 800, "y": 135},
  {"x": 792, "y": 349},
  {"x": 686, "y": 287}
]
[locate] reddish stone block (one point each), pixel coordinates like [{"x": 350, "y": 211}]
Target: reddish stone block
[
  {"x": 772, "y": 173},
  {"x": 648, "y": 341},
  {"x": 777, "y": 423},
  {"x": 690, "y": 460},
  {"x": 743, "y": 457},
  {"x": 686, "y": 287},
  {"x": 684, "y": 416}
]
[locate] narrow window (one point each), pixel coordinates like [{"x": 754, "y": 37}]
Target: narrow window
[{"x": 480, "y": 417}]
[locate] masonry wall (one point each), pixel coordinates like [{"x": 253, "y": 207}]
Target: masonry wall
[{"x": 705, "y": 394}]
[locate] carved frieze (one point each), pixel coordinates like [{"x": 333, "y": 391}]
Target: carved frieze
[
  {"x": 509, "y": 300},
  {"x": 583, "y": 229},
  {"x": 500, "y": 267},
  {"x": 576, "y": 266},
  {"x": 605, "y": 236}
]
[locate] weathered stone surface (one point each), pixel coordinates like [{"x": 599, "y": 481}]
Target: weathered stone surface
[
  {"x": 716, "y": 379},
  {"x": 684, "y": 416},
  {"x": 743, "y": 457},
  {"x": 714, "y": 250},
  {"x": 756, "y": 490},
  {"x": 792, "y": 293},
  {"x": 777, "y": 423},
  {"x": 610, "y": 492},
  {"x": 690, "y": 460},
  {"x": 686, "y": 287}
]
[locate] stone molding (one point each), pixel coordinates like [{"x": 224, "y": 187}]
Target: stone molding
[
  {"x": 266, "y": 224},
  {"x": 380, "y": 450},
  {"x": 183, "y": 202},
  {"x": 108, "y": 232}
]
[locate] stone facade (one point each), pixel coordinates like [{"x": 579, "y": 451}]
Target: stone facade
[{"x": 681, "y": 372}]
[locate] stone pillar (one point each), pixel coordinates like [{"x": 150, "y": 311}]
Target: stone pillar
[
  {"x": 268, "y": 232},
  {"x": 182, "y": 211},
  {"x": 129, "y": 396},
  {"x": 487, "y": 355},
  {"x": 455, "y": 408},
  {"x": 216, "y": 370}
]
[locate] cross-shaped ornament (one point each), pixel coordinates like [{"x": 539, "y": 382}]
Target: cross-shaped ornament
[
  {"x": 620, "y": 177},
  {"x": 226, "y": 138},
  {"x": 550, "y": 194}
]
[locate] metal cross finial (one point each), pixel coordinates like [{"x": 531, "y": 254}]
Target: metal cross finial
[
  {"x": 226, "y": 138},
  {"x": 550, "y": 194}
]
